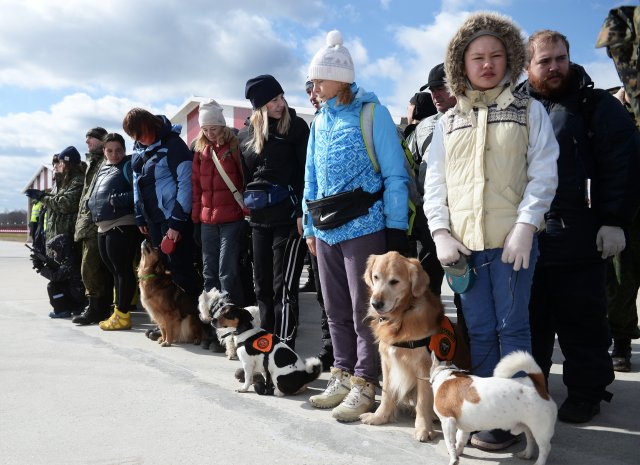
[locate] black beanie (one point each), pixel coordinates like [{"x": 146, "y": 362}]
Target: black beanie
[
  {"x": 96, "y": 132},
  {"x": 424, "y": 106},
  {"x": 69, "y": 155},
  {"x": 260, "y": 89}
]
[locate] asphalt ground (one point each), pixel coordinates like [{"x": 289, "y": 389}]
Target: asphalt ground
[{"x": 78, "y": 395}]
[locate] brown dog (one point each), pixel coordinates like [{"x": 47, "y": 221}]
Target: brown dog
[
  {"x": 166, "y": 302},
  {"x": 404, "y": 314}
]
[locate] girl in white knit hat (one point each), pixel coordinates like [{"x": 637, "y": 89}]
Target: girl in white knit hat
[{"x": 338, "y": 163}]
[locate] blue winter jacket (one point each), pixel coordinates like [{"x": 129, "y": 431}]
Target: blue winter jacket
[
  {"x": 162, "y": 179},
  {"x": 337, "y": 161}
]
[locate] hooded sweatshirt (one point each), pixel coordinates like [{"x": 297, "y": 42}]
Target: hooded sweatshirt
[{"x": 492, "y": 160}]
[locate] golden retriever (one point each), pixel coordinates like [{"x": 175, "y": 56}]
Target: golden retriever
[
  {"x": 404, "y": 314},
  {"x": 166, "y": 302}
]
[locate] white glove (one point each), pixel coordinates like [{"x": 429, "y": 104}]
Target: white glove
[
  {"x": 610, "y": 241},
  {"x": 517, "y": 245},
  {"x": 448, "y": 248}
]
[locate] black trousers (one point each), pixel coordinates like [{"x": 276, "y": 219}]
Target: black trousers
[
  {"x": 278, "y": 258},
  {"x": 324, "y": 321},
  {"x": 570, "y": 301},
  {"x": 118, "y": 248},
  {"x": 180, "y": 262},
  {"x": 62, "y": 298},
  {"x": 427, "y": 252}
]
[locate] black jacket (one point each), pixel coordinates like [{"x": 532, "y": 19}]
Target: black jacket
[
  {"x": 112, "y": 195},
  {"x": 281, "y": 162},
  {"x": 600, "y": 147}
]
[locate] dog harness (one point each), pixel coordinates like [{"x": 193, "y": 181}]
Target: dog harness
[
  {"x": 443, "y": 343},
  {"x": 260, "y": 343}
]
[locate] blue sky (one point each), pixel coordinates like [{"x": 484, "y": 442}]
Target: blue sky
[{"x": 69, "y": 65}]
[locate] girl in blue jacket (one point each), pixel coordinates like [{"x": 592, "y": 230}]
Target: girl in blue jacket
[{"x": 338, "y": 163}]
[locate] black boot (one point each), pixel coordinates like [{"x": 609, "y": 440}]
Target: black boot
[
  {"x": 621, "y": 354},
  {"x": 93, "y": 313}
]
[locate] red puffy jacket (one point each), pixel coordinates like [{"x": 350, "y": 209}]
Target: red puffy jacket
[{"x": 213, "y": 202}]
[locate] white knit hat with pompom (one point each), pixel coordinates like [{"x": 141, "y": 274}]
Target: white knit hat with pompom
[{"x": 332, "y": 62}]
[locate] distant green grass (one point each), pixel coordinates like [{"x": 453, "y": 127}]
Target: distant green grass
[{"x": 17, "y": 237}]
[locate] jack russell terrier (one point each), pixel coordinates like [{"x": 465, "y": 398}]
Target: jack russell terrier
[{"x": 466, "y": 403}]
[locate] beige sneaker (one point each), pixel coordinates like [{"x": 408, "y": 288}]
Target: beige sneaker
[
  {"x": 359, "y": 400},
  {"x": 337, "y": 389}
]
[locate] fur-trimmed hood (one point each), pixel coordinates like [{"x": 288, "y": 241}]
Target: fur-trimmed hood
[{"x": 500, "y": 26}]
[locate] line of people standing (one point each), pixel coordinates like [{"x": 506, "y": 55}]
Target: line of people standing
[{"x": 533, "y": 182}]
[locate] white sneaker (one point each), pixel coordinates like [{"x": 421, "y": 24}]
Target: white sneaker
[
  {"x": 336, "y": 390},
  {"x": 360, "y": 400}
]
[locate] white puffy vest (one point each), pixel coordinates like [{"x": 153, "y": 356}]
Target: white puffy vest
[{"x": 486, "y": 140}]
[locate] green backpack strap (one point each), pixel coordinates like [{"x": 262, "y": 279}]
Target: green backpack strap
[{"x": 366, "y": 128}]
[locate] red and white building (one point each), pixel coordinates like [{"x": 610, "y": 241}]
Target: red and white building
[{"x": 235, "y": 113}]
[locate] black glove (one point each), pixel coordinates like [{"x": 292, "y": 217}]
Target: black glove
[
  {"x": 37, "y": 263},
  {"x": 35, "y": 194},
  {"x": 398, "y": 240},
  {"x": 197, "y": 235}
]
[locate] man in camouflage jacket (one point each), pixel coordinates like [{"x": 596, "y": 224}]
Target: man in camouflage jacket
[
  {"x": 620, "y": 35},
  {"x": 97, "y": 279}
]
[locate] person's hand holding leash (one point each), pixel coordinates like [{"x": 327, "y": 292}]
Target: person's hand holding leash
[{"x": 448, "y": 249}]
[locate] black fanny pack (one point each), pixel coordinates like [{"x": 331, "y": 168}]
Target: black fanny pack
[{"x": 336, "y": 210}]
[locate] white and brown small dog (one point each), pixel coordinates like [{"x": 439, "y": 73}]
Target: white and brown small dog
[
  {"x": 285, "y": 373},
  {"x": 466, "y": 403},
  {"x": 208, "y": 304}
]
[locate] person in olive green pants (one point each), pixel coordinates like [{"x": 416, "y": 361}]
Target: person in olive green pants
[{"x": 97, "y": 279}]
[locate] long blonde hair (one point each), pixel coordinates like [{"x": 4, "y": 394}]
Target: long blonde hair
[
  {"x": 345, "y": 94},
  {"x": 202, "y": 141},
  {"x": 260, "y": 122}
]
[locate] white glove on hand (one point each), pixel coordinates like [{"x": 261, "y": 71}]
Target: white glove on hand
[
  {"x": 517, "y": 245},
  {"x": 610, "y": 241},
  {"x": 448, "y": 248}
]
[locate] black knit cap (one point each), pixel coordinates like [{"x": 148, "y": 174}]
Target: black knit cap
[
  {"x": 96, "y": 132},
  {"x": 70, "y": 155},
  {"x": 260, "y": 89}
]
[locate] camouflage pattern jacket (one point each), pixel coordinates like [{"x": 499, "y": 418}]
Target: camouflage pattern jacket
[
  {"x": 62, "y": 207},
  {"x": 85, "y": 227},
  {"x": 620, "y": 35}
]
